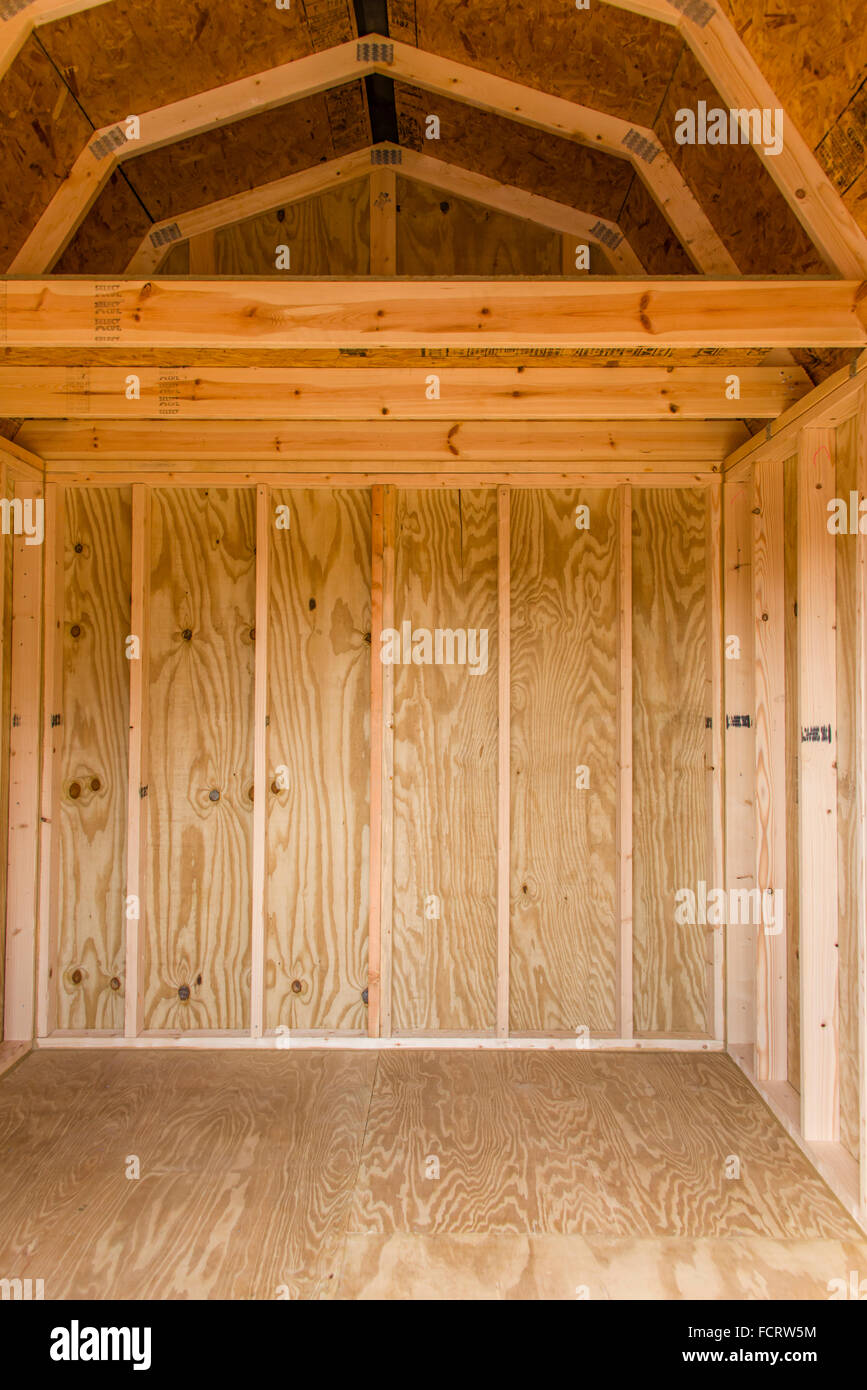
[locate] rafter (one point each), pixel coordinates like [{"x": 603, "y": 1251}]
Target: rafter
[
  {"x": 448, "y": 177},
  {"x": 278, "y": 313},
  {"x": 795, "y": 170},
  {"x": 15, "y": 31},
  {"x": 346, "y": 62},
  {"x": 399, "y": 393}
]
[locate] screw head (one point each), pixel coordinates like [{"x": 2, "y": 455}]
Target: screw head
[
  {"x": 213, "y": 794},
  {"x": 184, "y": 993},
  {"x": 364, "y": 996}
]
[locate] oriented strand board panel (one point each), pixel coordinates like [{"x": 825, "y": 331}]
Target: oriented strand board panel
[
  {"x": 655, "y": 241},
  {"x": 564, "y": 718},
  {"x": 125, "y": 57},
  {"x": 200, "y": 772},
  {"x": 42, "y": 131},
  {"x": 847, "y": 800},
  {"x": 445, "y": 765},
  {"x": 319, "y": 735},
  {"x": 326, "y": 235},
  {"x": 439, "y": 234},
  {"x": 89, "y": 975},
  {"x": 793, "y": 749},
  {"x": 669, "y": 709},
  {"x": 623, "y": 60}
]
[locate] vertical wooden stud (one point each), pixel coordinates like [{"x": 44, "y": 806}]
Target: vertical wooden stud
[
  {"x": 137, "y": 819},
  {"x": 383, "y": 221},
  {"x": 260, "y": 760},
  {"x": 770, "y": 752},
  {"x": 716, "y": 800},
  {"x": 385, "y": 732},
  {"x": 739, "y": 742},
  {"x": 817, "y": 803},
  {"x": 52, "y": 740},
  {"x": 861, "y": 793},
  {"x": 623, "y": 830},
  {"x": 19, "y": 1015},
  {"x": 504, "y": 819},
  {"x": 374, "y": 933}
]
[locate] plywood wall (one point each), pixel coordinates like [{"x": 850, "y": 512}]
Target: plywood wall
[
  {"x": 564, "y": 613},
  {"x": 319, "y": 760},
  {"x": 200, "y": 773},
  {"x": 89, "y": 976},
  {"x": 439, "y": 234},
  {"x": 445, "y": 769},
  {"x": 670, "y": 656},
  {"x": 326, "y": 235}
]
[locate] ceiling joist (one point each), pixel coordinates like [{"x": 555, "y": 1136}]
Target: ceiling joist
[{"x": 581, "y": 313}]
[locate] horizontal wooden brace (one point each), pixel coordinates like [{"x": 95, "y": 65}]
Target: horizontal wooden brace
[
  {"x": 360, "y": 1042},
  {"x": 589, "y": 312}
]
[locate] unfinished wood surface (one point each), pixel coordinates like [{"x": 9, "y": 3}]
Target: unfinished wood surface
[
  {"x": 318, "y": 760},
  {"x": 441, "y": 233},
  {"x": 670, "y": 852},
  {"x": 740, "y": 766},
  {"x": 331, "y": 1198},
  {"x": 504, "y": 741},
  {"x": 861, "y": 798},
  {"x": 7, "y": 485},
  {"x": 374, "y": 931},
  {"x": 714, "y": 752},
  {"x": 138, "y": 762},
  {"x": 564, "y": 758},
  {"x": 817, "y": 806},
  {"x": 22, "y": 843},
  {"x": 768, "y": 568},
  {"x": 846, "y": 545},
  {"x": 564, "y": 313},
  {"x": 383, "y": 221},
  {"x": 386, "y": 734},
  {"x": 89, "y": 976},
  {"x": 262, "y": 638},
  {"x": 51, "y": 770},
  {"x": 323, "y": 235},
  {"x": 793, "y": 749},
  {"x": 623, "y": 811},
  {"x": 369, "y": 392},
  {"x": 445, "y": 763},
  {"x": 203, "y": 606}
]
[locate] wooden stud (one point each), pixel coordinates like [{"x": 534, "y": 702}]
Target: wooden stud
[
  {"x": 19, "y": 1014},
  {"x": 740, "y": 771},
  {"x": 504, "y": 735},
  {"x": 374, "y": 933},
  {"x": 383, "y": 221},
  {"x": 370, "y": 392},
  {"x": 264, "y": 521},
  {"x": 623, "y": 963},
  {"x": 386, "y": 733},
  {"x": 770, "y": 771},
  {"x": 817, "y": 798},
  {"x": 861, "y": 793},
  {"x": 137, "y": 817},
  {"x": 52, "y": 741},
  {"x": 715, "y": 794}
]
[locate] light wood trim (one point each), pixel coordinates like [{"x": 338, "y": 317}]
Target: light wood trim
[
  {"x": 623, "y": 1025},
  {"x": 372, "y": 393},
  {"x": 137, "y": 817},
  {"x": 52, "y": 743},
  {"x": 20, "y": 463},
  {"x": 383, "y": 221},
  {"x": 264, "y": 523},
  {"x": 19, "y": 1015},
  {"x": 740, "y": 766},
  {"x": 215, "y": 1041},
  {"x": 504, "y": 753},
  {"x": 386, "y": 732},
  {"x": 120, "y": 475},
  {"x": 715, "y": 794},
  {"x": 226, "y": 212},
  {"x": 374, "y": 930},
  {"x": 581, "y": 313},
  {"x": 770, "y": 766},
  {"x": 861, "y": 793},
  {"x": 817, "y": 788}
]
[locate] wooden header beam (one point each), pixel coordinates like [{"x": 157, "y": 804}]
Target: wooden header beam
[
  {"x": 589, "y": 312},
  {"x": 462, "y": 183},
  {"x": 399, "y": 393},
  {"x": 306, "y": 76}
]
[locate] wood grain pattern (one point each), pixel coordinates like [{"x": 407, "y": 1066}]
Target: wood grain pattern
[
  {"x": 445, "y": 768},
  {"x": 95, "y": 712},
  {"x": 319, "y": 707},
  {"x": 439, "y": 233},
  {"x": 201, "y": 742},
  {"x": 8, "y": 490},
  {"x": 847, "y": 800},
  {"x": 793, "y": 745},
  {"x": 564, "y": 715},
  {"x": 326, "y": 235},
  {"x": 669, "y": 697}
]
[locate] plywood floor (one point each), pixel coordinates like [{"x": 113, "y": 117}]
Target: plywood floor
[{"x": 314, "y": 1175}]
